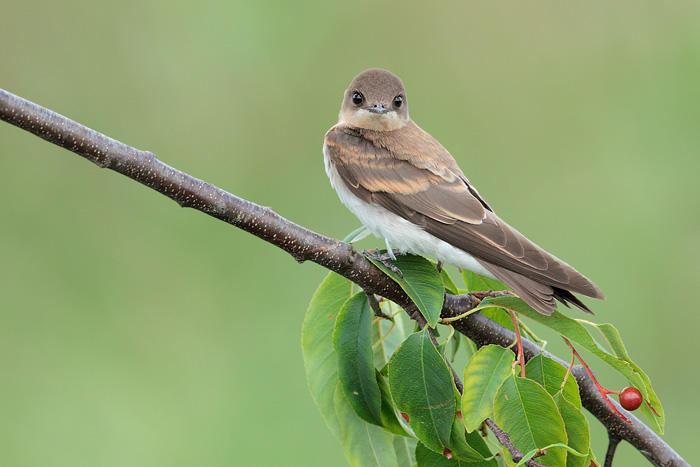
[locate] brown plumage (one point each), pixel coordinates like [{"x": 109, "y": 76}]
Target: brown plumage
[{"x": 392, "y": 167}]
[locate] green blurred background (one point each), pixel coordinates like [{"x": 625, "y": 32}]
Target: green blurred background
[{"x": 137, "y": 333}]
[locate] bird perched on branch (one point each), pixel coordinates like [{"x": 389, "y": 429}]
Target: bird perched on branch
[{"x": 407, "y": 189}]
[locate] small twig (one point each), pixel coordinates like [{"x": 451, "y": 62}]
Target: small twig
[
  {"x": 492, "y": 294},
  {"x": 374, "y": 304},
  {"x": 612, "y": 447}
]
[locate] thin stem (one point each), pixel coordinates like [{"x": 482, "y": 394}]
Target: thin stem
[
  {"x": 518, "y": 337},
  {"x": 473, "y": 310},
  {"x": 568, "y": 370},
  {"x": 604, "y": 392},
  {"x": 384, "y": 336},
  {"x": 374, "y": 304},
  {"x": 532, "y": 335}
]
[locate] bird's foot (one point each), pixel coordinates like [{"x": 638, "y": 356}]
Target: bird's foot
[{"x": 384, "y": 258}]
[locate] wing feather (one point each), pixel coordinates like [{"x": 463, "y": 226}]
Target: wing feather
[{"x": 425, "y": 185}]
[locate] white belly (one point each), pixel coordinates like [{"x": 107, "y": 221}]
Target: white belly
[{"x": 398, "y": 232}]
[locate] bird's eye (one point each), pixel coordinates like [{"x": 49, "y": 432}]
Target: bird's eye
[
  {"x": 357, "y": 98},
  {"x": 398, "y": 100}
]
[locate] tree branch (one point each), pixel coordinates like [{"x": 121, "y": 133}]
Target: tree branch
[
  {"x": 302, "y": 244},
  {"x": 483, "y": 331}
]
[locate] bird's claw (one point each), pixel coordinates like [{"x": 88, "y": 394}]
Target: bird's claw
[{"x": 384, "y": 259}]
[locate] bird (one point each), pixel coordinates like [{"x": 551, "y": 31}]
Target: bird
[{"x": 407, "y": 189}]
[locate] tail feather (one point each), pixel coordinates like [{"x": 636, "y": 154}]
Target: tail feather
[{"x": 536, "y": 294}]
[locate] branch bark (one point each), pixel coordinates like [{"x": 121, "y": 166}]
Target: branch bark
[{"x": 303, "y": 245}]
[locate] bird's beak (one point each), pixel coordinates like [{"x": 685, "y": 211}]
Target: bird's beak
[{"x": 377, "y": 109}]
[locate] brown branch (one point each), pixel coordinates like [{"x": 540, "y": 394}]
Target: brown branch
[{"x": 301, "y": 243}]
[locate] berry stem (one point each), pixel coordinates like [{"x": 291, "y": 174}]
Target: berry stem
[{"x": 604, "y": 392}]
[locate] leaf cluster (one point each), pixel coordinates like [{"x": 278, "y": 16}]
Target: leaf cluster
[{"x": 386, "y": 389}]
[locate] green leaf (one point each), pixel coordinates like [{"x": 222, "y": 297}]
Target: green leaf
[
  {"x": 525, "y": 411},
  {"x": 421, "y": 282},
  {"x": 484, "y": 374},
  {"x": 317, "y": 345},
  {"x": 447, "y": 282},
  {"x": 456, "y": 343},
  {"x": 612, "y": 335},
  {"x": 390, "y": 421},
  {"x": 565, "y": 447},
  {"x": 357, "y": 235},
  {"x": 460, "y": 447},
  {"x": 477, "y": 283},
  {"x": 550, "y": 374},
  {"x": 578, "y": 334},
  {"x": 500, "y": 316},
  {"x": 365, "y": 445},
  {"x": 353, "y": 346},
  {"x": 423, "y": 389},
  {"x": 397, "y": 331},
  {"x": 428, "y": 458},
  {"x": 577, "y": 430},
  {"x": 475, "y": 440},
  {"x": 405, "y": 449},
  {"x": 591, "y": 461}
]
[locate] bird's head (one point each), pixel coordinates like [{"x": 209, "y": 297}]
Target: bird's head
[{"x": 375, "y": 100}]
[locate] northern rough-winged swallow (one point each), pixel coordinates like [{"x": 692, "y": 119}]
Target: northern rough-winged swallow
[{"x": 407, "y": 189}]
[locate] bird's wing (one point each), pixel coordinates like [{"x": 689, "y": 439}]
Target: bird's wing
[{"x": 432, "y": 192}]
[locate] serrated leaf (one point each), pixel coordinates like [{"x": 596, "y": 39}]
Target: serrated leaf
[
  {"x": 577, "y": 430},
  {"x": 460, "y": 447},
  {"x": 421, "y": 282},
  {"x": 550, "y": 374},
  {"x": 525, "y": 411},
  {"x": 475, "y": 440},
  {"x": 353, "y": 346},
  {"x": 591, "y": 461},
  {"x": 484, "y": 374},
  {"x": 428, "y": 458},
  {"x": 365, "y": 445},
  {"x": 422, "y": 387},
  {"x": 565, "y": 447},
  {"x": 320, "y": 360},
  {"x": 390, "y": 421},
  {"x": 476, "y": 283},
  {"x": 612, "y": 335},
  {"x": 578, "y": 334}
]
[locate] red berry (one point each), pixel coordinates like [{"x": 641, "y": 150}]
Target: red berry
[{"x": 630, "y": 398}]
